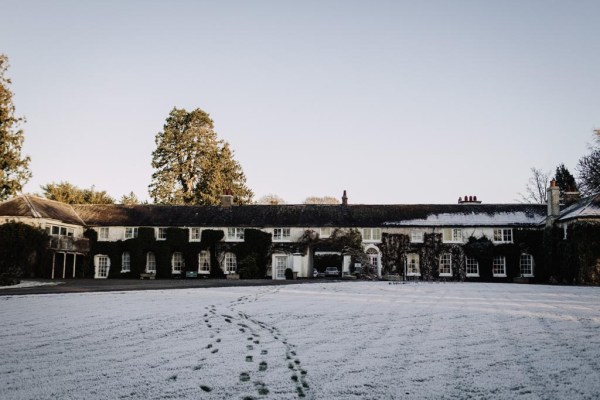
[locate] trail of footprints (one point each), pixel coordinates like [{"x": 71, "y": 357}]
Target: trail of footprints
[{"x": 256, "y": 368}]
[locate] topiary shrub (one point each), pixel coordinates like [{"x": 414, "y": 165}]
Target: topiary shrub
[
  {"x": 289, "y": 274},
  {"x": 248, "y": 268}
]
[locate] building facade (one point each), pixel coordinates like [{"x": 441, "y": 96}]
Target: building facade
[{"x": 468, "y": 241}]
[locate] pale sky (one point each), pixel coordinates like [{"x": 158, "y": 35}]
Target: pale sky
[{"x": 394, "y": 101}]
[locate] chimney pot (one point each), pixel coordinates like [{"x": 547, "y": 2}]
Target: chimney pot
[{"x": 344, "y": 199}]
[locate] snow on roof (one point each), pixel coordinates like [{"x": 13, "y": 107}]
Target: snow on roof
[
  {"x": 514, "y": 218},
  {"x": 585, "y": 208}
]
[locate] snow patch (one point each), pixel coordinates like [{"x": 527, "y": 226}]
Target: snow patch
[{"x": 473, "y": 219}]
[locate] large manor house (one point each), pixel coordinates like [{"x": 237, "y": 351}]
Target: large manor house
[{"x": 467, "y": 241}]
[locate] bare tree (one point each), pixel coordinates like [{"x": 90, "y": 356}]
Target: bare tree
[
  {"x": 588, "y": 169},
  {"x": 535, "y": 190},
  {"x": 270, "y": 199},
  {"x": 321, "y": 200}
]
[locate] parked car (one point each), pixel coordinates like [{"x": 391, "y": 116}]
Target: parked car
[
  {"x": 332, "y": 271},
  {"x": 318, "y": 274}
]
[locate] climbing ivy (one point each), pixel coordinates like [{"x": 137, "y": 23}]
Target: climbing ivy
[{"x": 22, "y": 253}]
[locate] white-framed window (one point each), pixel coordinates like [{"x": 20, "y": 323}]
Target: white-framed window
[
  {"x": 125, "y": 262},
  {"x": 446, "y": 264},
  {"x": 131, "y": 232},
  {"x": 416, "y": 236},
  {"x": 503, "y": 235},
  {"x": 281, "y": 234},
  {"x": 499, "y": 267},
  {"x": 102, "y": 264},
  {"x": 371, "y": 234},
  {"x": 59, "y": 230},
  {"x": 325, "y": 233},
  {"x": 413, "y": 267},
  {"x": 526, "y": 265},
  {"x": 373, "y": 257},
  {"x": 230, "y": 263},
  {"x": 161, "y": 233},
  {"x": 452, "y": 235},
  {"x": 235, "y": 233},
  {"x": 472, "y": 267},
  {"x": 177, "y": 263},
  {"x": 150, "y": 263},
  {"x": 195, "y": 234},
  {"x": 103, "y": 233},
  {"x": 204, "y": 262}
]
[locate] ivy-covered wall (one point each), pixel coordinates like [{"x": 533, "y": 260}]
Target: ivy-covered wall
[
  {"x": 23, "y": 251},
  {"x": 576, "y": 259},
  {"x": 395, "y": 247},
  {"x": 253, "y": 253}
]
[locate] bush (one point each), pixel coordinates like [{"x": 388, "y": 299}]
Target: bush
[
  {"x": 22, "y": 250},
  {"x": 289, "y": 274},
  {"x": 7, "y": 281},
  {"x": 248, "y": 268}
]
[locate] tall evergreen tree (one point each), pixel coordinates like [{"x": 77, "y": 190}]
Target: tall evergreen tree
[
  {"x": 66, "y": 192},
  {"x": 14, "y": 169},
  {"x": 192, "y": 166},
  {"x": 129, "y": 199},
  {"x": 564, "y": 180}
]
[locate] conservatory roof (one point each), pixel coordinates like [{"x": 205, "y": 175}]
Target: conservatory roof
[{"x": 36, "y": 207}]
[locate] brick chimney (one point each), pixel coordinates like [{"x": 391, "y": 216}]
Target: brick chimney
[
  {"x": 226, "y": 199},
  {"x": 553, "y": 202},
  {"x": 344, "y": 199},
  {"x": 570, "y": 198},
  {"x": 469, "y": 200}
]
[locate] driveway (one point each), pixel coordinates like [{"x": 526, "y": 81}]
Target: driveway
[{"x": 112, "y": 285}]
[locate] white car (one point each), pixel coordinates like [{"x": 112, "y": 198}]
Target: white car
[{"x": 332, "y": 271}]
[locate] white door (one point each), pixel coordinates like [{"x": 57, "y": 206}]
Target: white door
[
  {"x": 280, "y": 266},
  {"x": 102, "y": 267}
]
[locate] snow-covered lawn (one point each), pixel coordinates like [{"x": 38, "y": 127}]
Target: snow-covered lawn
[
  {"x": 350, "y": 340},
  {"x": 26, "y": 284}
]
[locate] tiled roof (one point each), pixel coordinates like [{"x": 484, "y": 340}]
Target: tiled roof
[
  {"x": 587, "y": 208},
  {"x": 36, "y": 207},
  {"x": 310, "y": 215}
]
